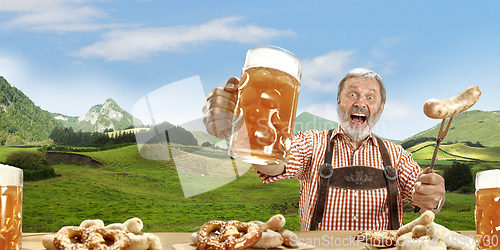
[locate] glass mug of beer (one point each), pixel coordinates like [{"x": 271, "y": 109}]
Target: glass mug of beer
[
  {"x": 488, "y": 209},
  {"x": 11, "y": 196},
  {"x": 266, "y": 106}
]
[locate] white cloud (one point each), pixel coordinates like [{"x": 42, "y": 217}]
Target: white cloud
[
  {"x": 395, "y": 110},
  {"x": 66, "y": 16},
  {"x": 323, "y": 73},
  {"x": 140, "y": 43},
  {"x": 381, "y": 54}
]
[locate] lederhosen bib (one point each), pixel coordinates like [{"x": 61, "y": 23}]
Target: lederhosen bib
[{"x": 357, "y": 178}]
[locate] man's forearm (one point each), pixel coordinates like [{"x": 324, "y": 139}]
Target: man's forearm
[{"x": 271, "y": 170}]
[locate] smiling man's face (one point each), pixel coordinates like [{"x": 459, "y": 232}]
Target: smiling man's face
[{"x": 359, "y": 107}]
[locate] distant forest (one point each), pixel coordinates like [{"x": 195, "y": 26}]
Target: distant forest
[{"x": 157, "y": 134}]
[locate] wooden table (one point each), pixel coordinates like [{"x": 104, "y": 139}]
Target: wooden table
[{"x": 341, "y": 240}]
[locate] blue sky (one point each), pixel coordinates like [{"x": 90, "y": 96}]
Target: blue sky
[{"x": 77, "y": 54}]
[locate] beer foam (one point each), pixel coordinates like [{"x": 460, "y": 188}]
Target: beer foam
[
  {"x": 488, "y": 179},
  {"x": 10, "y": 176},
  {"x": 273, "y": 57}
]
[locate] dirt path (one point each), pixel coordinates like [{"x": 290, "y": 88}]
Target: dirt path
[{"x": 72, "y": 158}]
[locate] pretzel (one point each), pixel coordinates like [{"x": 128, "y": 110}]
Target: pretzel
[
  {"x": 63, "y": 238},
  {"x": 98, "y": 237},
  {"x": 252, "y": 234},
  {"x": 227, "y": 235}
]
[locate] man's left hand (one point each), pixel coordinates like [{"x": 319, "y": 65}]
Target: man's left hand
[{"x": 429, "y": 189}]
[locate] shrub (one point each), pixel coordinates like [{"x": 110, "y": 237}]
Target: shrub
[
  {"x": 39, "y": 173},
  {"x": 456, "y": 176},
  {"x": 26, "y": 159},
  {"x": 466, "y": 189},
  {"x": 32, "y": 162}
]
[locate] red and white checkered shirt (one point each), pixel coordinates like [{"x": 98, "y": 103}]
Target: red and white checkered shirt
[{"x": 346, "y": 209}]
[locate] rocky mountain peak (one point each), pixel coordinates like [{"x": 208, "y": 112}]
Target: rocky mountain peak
[{"x": 100, "y": 117}]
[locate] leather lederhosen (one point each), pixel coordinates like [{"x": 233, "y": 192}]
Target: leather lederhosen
[{"x": 358, "y": 178}]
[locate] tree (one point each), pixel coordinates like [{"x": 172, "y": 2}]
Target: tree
[{"x": 456, "y": 176}]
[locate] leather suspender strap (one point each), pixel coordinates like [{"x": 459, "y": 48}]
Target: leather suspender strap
[
  {"x": 325, "y": 173},
  {"x": 392, "y": 191}
]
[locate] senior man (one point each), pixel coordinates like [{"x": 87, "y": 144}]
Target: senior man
[{"x": 349, "y": 179}]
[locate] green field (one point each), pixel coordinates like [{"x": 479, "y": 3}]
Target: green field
[{"x": 131, "y": 186}]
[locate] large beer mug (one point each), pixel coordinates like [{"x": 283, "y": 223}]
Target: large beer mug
[
  {"x": 488, "y": 209},
  {"x": 11, "y": 196},
  {"x": 266, "y": 107}
]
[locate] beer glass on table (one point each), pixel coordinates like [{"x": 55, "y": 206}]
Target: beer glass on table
[
  {"x": 488, "y": 209},
  {"x": 266, "y": 106},
  {"x": 11, "y": 196}
]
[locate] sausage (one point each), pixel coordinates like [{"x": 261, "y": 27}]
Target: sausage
[
  {"x": 442, "y": 109},
  {"x": 424, "y": 219}
]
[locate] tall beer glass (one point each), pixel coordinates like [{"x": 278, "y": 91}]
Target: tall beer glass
[
  {"x": 11, "y": 196},
  {"x": 266, "y": 106},
  {"x": 488, "y": 209}
]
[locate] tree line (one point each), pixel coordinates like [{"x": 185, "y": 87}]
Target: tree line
[
  {"x": 164, "y": 132},
  {"x": 68, "y": 137}
]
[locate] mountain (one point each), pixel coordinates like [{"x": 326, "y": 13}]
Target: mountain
[
  {"x": 474, "y": 126},
  {"x": 21, "y": 121},
  {"x": 99, "y": 118},
  {"x": 307, "y": 121}
]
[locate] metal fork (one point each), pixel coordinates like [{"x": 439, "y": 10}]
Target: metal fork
[{"x": 442, "y": 133}]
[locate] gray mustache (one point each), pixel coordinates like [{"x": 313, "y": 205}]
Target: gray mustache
[{"x": 364, "y": 111}]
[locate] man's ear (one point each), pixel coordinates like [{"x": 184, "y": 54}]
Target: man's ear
[
  {"x": 338, "y": 101},
  {"x": 382, "y": 107}
]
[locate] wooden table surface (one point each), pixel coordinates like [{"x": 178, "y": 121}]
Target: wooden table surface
[{"x": 341, "y": 240}]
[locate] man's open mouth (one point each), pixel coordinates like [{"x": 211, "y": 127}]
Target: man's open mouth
[{"x": 358, "y": 118}]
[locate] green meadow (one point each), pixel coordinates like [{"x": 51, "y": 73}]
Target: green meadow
[{"x": 132, "y": 186}]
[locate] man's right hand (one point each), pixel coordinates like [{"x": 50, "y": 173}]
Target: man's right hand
[{"x": 218, "y": 111}]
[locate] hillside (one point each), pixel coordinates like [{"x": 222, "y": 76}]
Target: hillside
[
  {"x": 131, "y": 186},
  {"x": 204, "y": 137},
  {"x": 100, "y": 117},
  {"x": 473, "y": 126},
  {"x": 307, "y": 121},
  {"x": 21, "y": 121}
]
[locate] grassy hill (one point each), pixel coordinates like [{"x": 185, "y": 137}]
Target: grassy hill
[
  {"x": 307, "y": 121},
  {"x": 473, "y": 126},
  {"x": 204, "y": 137},
  {"x": 131, "y": 186},
  {"x": 456, "y": 151}
]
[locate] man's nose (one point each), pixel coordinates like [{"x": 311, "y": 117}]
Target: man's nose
[{"x": 360, "y": 103}]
